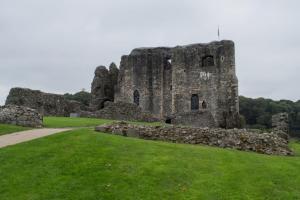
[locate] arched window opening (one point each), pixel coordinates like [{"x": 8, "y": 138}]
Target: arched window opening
[
  {"x": 136, "y": 97},
  {"x": 194, "y": 102},
  {"x": 168, "y": 63},
  {"x": 102, "y": 104},
  {"x": 208, "y": 61},
  {"x": 204, "y": 105}
]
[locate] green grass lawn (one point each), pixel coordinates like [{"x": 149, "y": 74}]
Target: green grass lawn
[
  {"x": 83, "y": 164},
  {"x": 6, "y": 128},
  {"x": 60, "y": 122}
]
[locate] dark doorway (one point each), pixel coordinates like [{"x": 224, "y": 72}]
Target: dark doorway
[
  {"x": 168, "y": 121},
  {"x": 194, "y": 102},
  {"x": 136, "y": 97}
]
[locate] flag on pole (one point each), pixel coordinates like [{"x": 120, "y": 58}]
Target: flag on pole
[{"x": 218, "y": 33}]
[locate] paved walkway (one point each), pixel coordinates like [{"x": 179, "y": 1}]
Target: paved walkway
[{"x": 23, "y": 136}]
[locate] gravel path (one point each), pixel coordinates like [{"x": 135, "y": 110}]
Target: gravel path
[{"x": 23, "y": 136}]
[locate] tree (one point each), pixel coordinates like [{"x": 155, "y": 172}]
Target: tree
[{"x": 82, "y": 96}]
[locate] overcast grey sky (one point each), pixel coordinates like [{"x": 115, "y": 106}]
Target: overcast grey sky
[{"x": 55, "y": 45}]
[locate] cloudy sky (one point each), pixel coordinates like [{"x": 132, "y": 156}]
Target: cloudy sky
[{"x": 55, "y": 45}]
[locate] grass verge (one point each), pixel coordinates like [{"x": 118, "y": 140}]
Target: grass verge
[
  {"x": 83, "y": 164},
  {"x": 62, "y": 122},
  {"x": 7, "y": 128}
]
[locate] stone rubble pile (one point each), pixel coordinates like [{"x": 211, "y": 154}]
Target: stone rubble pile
[
  {"x": 241, "y": 139},
  {"x": 20, "y": 115}
]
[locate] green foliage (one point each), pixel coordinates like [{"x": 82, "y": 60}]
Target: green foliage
[
  {"x": 6, "y": 128},
  {"x": 258, "y": 112},
  {"x": 83, "y": 164},
  {"x": 82, "y": 96}
]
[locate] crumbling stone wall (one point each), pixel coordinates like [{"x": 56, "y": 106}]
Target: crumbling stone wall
[
  {"x": 241, "y": 139},
  {"x": 145, "y": 72},
  {"x": 201, "y": 118},
  {"x": 103, "y": 85},
  {"x": 120, "y": 111},
  {"x": 20, "y": 115},
  {"x": 45, "y": 103},
  {"x": 280, "y": 124},
  {"x": 172, "y": 81}
]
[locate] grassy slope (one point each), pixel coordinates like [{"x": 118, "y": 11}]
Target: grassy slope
[
  {"x": 6, "y": 128},
  {"x": 83, "y": 164},
  {"x": 59, "y": 122}
]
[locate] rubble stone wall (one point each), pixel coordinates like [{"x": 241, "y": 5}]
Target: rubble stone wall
[
  {"x": 103, "y": 85},
  {"x": 120, "y": 111},
  {"x": 202, "y": 118},
  {"x": 280, "y": 124},
  {"x": 45, "y": 103},
  {"x": 20, "y": 115},
  {"x": 241, "y": 139}
]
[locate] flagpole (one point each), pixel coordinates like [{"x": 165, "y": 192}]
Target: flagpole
[{"x": 218, "y": 32}]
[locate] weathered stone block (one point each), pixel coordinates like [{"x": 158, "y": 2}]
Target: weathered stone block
[{"x": 20, "y": 115}]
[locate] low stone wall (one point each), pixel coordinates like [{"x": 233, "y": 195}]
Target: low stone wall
[
  {"x": 20, "y": 115},
  {"x": 241, "y": 139},
  {"x": 120, "y": 111}
]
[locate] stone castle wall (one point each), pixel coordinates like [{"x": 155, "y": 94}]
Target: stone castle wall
[
  {"x": 103, "y": 85},
  {"x": 145, "y": 71},
  {"x": 45, "y": 103},
  {"x": 165, "y": 81},
  {"x": 206, "y": 71},
  {"x": 120, "y": 111}
]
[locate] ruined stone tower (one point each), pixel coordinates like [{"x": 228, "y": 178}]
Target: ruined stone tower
[
  {"x": 103, "y": 85},
  {"x": 194, "y": 84}
]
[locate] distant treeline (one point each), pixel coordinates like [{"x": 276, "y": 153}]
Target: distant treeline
[
  {"x": 82, "y": 96},
  {"x": 257, "y": 112}
]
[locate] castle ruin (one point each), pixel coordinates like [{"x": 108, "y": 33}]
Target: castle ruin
[{"x": 193, "y": 85}]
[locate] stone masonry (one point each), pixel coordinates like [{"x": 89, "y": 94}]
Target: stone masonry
[
  {"x": 45, "y": 103},
  {"x": 20, "y": 115},
  {"x": 241, "y": 139},
  {"x": 103, "y": 85},
  {"x": 280, "y": 124},
  {"x": 120, "y": 111},
  {"x": 181, "y": 81}
]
